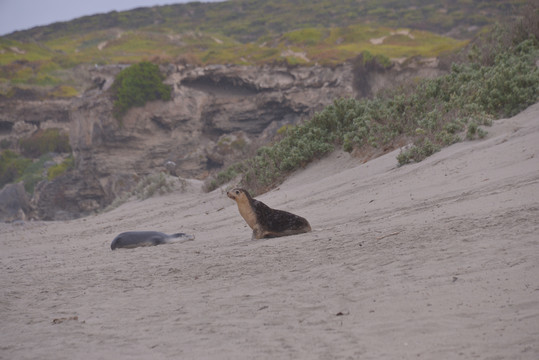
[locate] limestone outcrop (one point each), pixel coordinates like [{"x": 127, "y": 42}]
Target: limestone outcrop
[
  {"x": 217, "y": 114},
  {"x": 14, "y": 203}
]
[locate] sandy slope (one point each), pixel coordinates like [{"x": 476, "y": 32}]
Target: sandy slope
[{"x": 436, "y": 260}]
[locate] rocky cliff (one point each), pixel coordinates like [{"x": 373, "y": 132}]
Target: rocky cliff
[{"x": 217, "y": 115}]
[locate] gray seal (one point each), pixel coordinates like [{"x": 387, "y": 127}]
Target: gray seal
[{"x": 133, "y": 239}]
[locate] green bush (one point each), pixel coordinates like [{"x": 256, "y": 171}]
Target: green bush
[
  {"x": 417, "y": 152},
  {"x": 15, "y": 168},
  {"x": 12, "y": 166},
  {"x": 33, "y": 173},
  {"x": 59, "y": 169},
  {"x": 137, "y": 85}
]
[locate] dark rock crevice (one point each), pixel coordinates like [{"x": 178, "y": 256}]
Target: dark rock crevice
[{"x": 222, "y": 87}]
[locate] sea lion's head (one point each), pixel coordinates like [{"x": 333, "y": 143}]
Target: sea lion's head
[
  {"x": 245, "y": 205},
  {"x": 238, "y": 194}
]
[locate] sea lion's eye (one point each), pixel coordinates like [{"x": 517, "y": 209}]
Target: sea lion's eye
[{"x": 237, "y": 192}]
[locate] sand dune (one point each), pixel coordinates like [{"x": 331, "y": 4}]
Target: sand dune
[{"x": 436, "y": 260}]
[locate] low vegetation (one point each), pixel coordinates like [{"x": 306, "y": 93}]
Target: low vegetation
[
  {"x": 498, "y": 78},
  {"x": 153, "y": 184},
  {"x": 148, "y": 186},
  {"x": 12, "y": 166},
  {"x": 34, "y": 172},
  {"x": 45, "y": 141},
  {"x": 249, "y": 20},
  {"x": 59, "y": 169},
  {"x": 32, "y": 165}
]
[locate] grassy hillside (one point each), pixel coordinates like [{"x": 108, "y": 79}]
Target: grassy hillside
[
  {"x": 249, "y": 20},
  {"x": 43, "y": 64},
  {"x": 241, "y": 32}
]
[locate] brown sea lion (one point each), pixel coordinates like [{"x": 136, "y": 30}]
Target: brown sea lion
[{"x": 265, "y": 221}]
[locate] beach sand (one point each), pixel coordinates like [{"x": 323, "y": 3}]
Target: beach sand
[{"x": 435, "y": 260}]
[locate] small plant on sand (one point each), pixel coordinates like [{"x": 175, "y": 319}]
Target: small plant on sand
[
  {"x": 417, "y": 152},
  {"x": 153, "y": 184},
  {"x": 147, "y": 187}
]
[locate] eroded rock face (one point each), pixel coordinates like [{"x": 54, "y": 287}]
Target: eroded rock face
[
  {"x": 252, "y": 98},
  {"x": 68, "y": 197},
  {"x": 213, "y": 111},
  {"x": 227, "y": 149},
  {"x": 210, "y": 106},
  {"x": 21, "y": 118}
]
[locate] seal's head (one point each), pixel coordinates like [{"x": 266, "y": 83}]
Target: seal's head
[
  {"x": 239, "y": 195},
  {"x": 245, "y": 205}
]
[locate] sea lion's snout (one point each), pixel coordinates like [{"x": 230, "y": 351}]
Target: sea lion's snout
[
  {"x": 186, "y": 237},
  {"x": 233, "y": 193}
]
